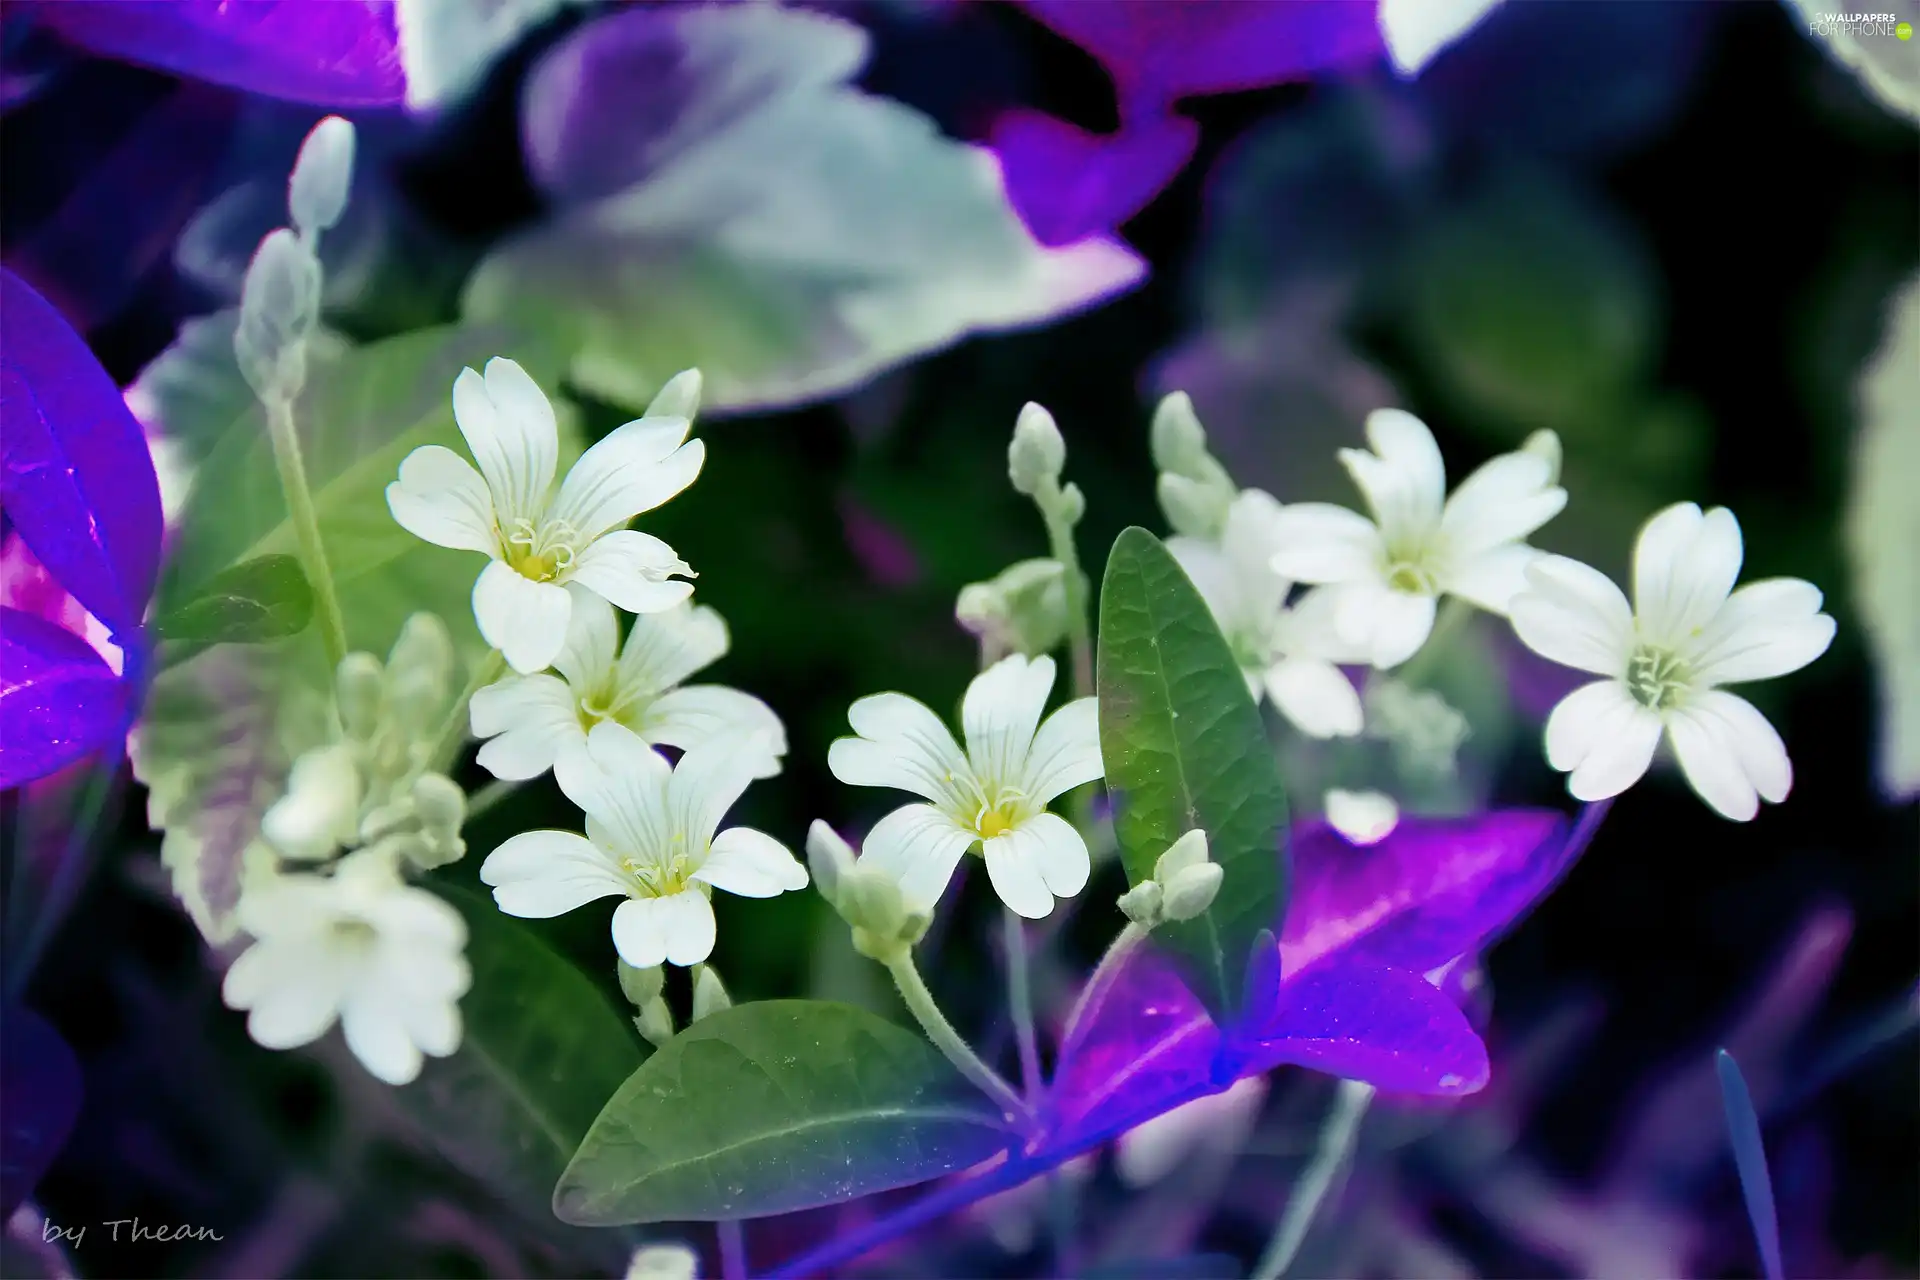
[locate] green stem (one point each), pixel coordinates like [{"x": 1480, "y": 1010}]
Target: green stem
[
  {"x": 1122, "y": 945},
  {"x": 1020, "y": 991},
  {"x": 1079, "y": 628},
  {"x": 453, "y": 730},
  {"x": 1454, "y": 613},
  {"x": 1336, "y": 1144},
  {"x": 490, "y": 795},
  {"x": 306, "y": 527},
  {"x": 913, "y": 989}
]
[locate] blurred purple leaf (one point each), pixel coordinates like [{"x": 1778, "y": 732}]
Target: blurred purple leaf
[
  {"x": 1362, "y": 1021},
  {"x": 1141, "y": 1036},
  {"x": 58, "y": 698},
  {"x": 340, "y": 53},
  {"x": 77, "y": 479},
  {"x": 1068, "y": 184},
  {"x": 40, "y": 1080}
]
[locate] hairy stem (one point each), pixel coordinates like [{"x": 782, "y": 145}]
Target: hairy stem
[
  {"x": 1079, "y": 627},
  {"x": 453, "y": 730},
  {"x": 1336, "y": 1144},
  {"x": 306, "y": 527},
  {"x": 1122, "y": 945},
  {"x": 913, "y": 989},
  {"x": 1020, "y": 994}
]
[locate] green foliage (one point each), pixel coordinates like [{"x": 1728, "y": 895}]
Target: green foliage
[
  {"x": 543, "y": 1050},
  {"x": 1185, "y": 747},
  {"x": 261, "y": 599},
  {"x": 775, "y": 1106}
]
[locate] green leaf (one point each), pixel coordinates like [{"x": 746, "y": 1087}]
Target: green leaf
[
  {"x": 1185, "y": 747},
  {"x": 882, "y": 240},
  {"x": 542, "y": 1052},
  {"x": 771, "y": 1107},
  {"x": 262, "y": 599}
]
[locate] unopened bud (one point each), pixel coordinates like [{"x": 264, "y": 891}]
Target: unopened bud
[
  {"x": 1545, "y": 444},
  {"x": 830, "y": 859},
  {"x": 1037, "y": 453},
  {"x": 1144, "y": 904},
  {"x": 360, "y": 692},
  {"x": 709, "y": 994},
  {"x": 1022, "y": 610},
  {"x": 1196, "y": 508},
  {"x": 871, "y": 900},
  {"x": 1190, "y": 850},
  {"x": 1179, "y": 441},
  {"x": 321, "y": 809},
  {"x": 680, "y": 398},
  {"x": 655, "y": 1022},
  {"x": 279, "y": 306},
  {"x": 322, "y": 176},
  {"x": 1192, "y": 890},
  {"x": 640, "y": 985},
  {"x": 1073, "y": 503},
  {"x": 419, "y": 671}
]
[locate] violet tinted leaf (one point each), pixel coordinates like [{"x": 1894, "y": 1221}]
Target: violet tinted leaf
[
  {"x": 1386, "y": 1027},
  {"x": 58, "y": 699},
  {"x": 1750, "y": 1160},
  {"x": 40, "y": 1079},
  {"x": 1142, "y": 1044},
  {"x": 1432, "y": 890},
  {"x": 77, "y": 479},
  {"x": 1068, "y": 184},
  {"x": 344, "y": 53}
]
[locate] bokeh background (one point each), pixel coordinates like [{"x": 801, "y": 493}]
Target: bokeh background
[{"x": 1670, "y": 232}]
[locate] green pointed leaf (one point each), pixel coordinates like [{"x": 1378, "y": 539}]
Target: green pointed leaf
[
  {"x": 771, "y": 1107},
  {"x": 543, "y": 1050},
  {"x": 1185, "y": 747},
  {"x": 262, "y": 599}
]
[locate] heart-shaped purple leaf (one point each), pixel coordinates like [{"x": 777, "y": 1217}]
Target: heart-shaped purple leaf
[{"x": 58, "y": 699}]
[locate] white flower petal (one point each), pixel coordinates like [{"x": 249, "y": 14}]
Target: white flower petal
[
  {"x": 538, "y": 874},
  {"x": 375, "y": 1023},
  {"x": 294, "y": 991},
  {"x": 701, "y": 713},
  {"x": 510, "y": 428},
  {"x": 1403, "y": 479},
  {"x": 1501, "y": 502},
  {"x": 707, "y": 782},
  {"x": 1490, "y": 579},
  {"x": 1684, "y": 565},
  {"x": 1389, "y": 625},
  {"x": 1315, "y": 696},
  {"x": 677, "y": 929},
  {"x": 1028, "y": 862},
  {"x": 1602, "y": 738},
  {"x": 1319, "y": 542},
  {"x": 1765, "y": 629},
  {"x": 525, "y": 620},
  {"x": 1066, "y": 751},
  {"x": 529, "y": 720},
  {"x": 593, "y": 642},
  {"x": 1307, "y": 629},
  {"x": 1207, "y": 567},
  {"x": 1002, "y": 710},
  {"x": 1574, "y": 615},
  {"x": 621, "y": 784},
  {"x": 919, "y": 846},
  {"x": 1363, "y": 817},
  {"x": 1730, "y": 754},
  {"x": 520, "y": 754},
  {"x": 751, "y": 864},
  {"x": 633, "y": 570},
  {"x": 625, "y": 474},
  {"x": 440, "y": 498},
  {"x": 903, "y": 745},
  {"x": 665, "y": 648}
]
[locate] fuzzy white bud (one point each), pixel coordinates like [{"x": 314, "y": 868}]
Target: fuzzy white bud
[
  {"x": 322, "y": 177},
  {"x": 1144, "y": 904},
  {"x": 640, "y": 985},
  {"x": 1037, "y": 453},
  {"x": 1179, "y": 441},
  {"x": 1192, "y": 889},
  {"x": 360, "y": 692},
  {"x": 709, "y": 993},
  {"x": 279, "y": 306},
  {"x": 655, "y": 1022}
]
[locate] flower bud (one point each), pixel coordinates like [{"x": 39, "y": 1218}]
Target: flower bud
[
  {"x": 419, "y": 671},
  {"x": 1037, "y": 453},
  {"x": 279, "y": 306},
  {"x": 1195, "y": 508},
  {"x": 1192, "y": 890},
  {"x": 1144, "y": 904},
  {"x": 1363, "y": 817},
  {"x": 360, "y": 692},
  {"x": 1545, "y": 444},
  {"x": 440, "y": 802},
  {"x": 680, "y": 398},
  {"x": 1021, "y": 610},
  {"x": 1073, "y": 503},
  {"x": 1179, "y": 441},
  {"x": 709, "y": 995},
  {"x": 640, "y": 985},
  {"x": 321, "y": 808},
  {"x": 871, "y": 900},
  {"x": 830, "y": 859},
  {"x": 655, "y": 1022},
  {"x": 1190, "y": 850},
  {"x": 322, "y": 176}
]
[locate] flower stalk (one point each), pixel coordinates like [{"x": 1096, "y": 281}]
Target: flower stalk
[
  {"x": 1337, "y": 1137},
  {"x": 920, "y": 1002},
  {"x": 306, "y": 526}
]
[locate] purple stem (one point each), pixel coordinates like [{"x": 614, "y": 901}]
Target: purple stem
[{"x": 733, "y": 1248}]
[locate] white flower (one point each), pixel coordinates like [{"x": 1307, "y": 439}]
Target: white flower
[
  {"x": 669, "y": 1261},
  {"x": 1388, "y": 572},
  {"x": 994, "y": 794},
  {"x": 357, "y": 945},
  {"x": 532, "y": 719},
  {"x": 540, "y": 541},
  {"x": 1363, "y": 817},
  {"x": 650, "y": 837},
  {"x": 1286, "y": 653},
  {"x": 1219, "y": 1123},
  {"x": 1664, "y": 661}
]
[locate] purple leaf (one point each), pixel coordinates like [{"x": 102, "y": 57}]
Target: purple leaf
[
  {"x": 1432, "y": 890},
  {"x": 1361, "y": 1021},
  {"x": 77, "y": 479},
  {"x": 340, "y": 53},
  {"x": 1141, "y": 1037},
  {"x": 58, "y": 699},
  {"x": 1068, "y": 184},
  {"x": 40, "y": 1080},
  {"x": 1159, "y": 50}
]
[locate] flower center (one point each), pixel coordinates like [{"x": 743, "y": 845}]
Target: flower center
[
  {"x": 1657, "y": 678},
  {"x": 610, "y": 702},
  {"x": 1005, "y": 812},
  {"x": 659, "y": 877},
  {"x": 1410, "y": 577},
  {"x": 540, "y": 552},
  {"x": 356, "y": 936}
]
